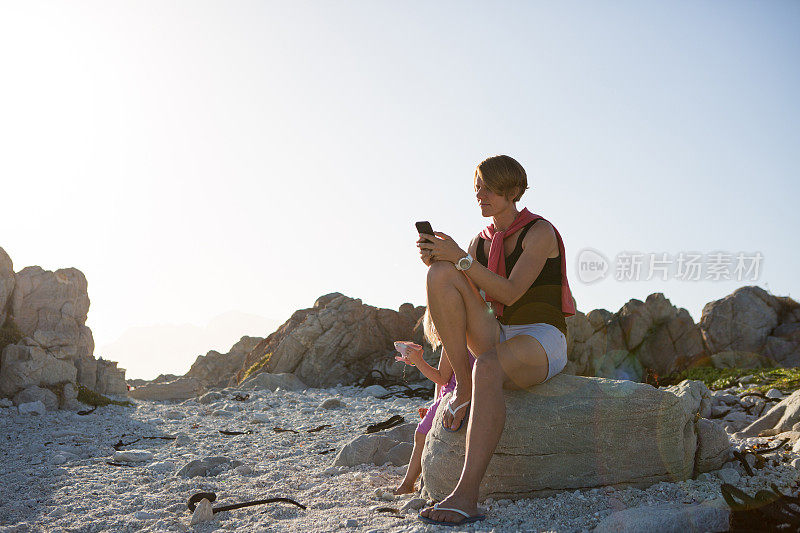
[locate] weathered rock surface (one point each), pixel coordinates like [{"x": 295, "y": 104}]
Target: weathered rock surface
[
  {"x": 337, "y": 341},
  {"x": 180, "y": 389},
  {"x": 216, "y": 370},
  {"x": 590, "y": 432},
  {"x": 7, "y": 281},
  {"x": 209, "y": 466},
  {"x": 709, "y": 516},
  {"x": 652, "y": 334},
  {"x": 33, "y": 394},
  {"x": 782, "y": 417},
  {"x": 52, "y": 344},
  {"x": 391, "y": 446}
]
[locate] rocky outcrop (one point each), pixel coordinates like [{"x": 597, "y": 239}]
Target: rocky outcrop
[
  {"x": 337, "y": 341},
  {"x": 584, "y": 439},
  {"x": 51, "y": 344},
  {"x": 216, "y": 370},
  {"x": 642, "y": 335},
  {"x": 780, "y": 418},
  {"x": 180, "y": 389},
  {"x": 752, "y": 320}
]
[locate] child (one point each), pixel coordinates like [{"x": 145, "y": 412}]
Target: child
[{"x": 445, "y": 382}]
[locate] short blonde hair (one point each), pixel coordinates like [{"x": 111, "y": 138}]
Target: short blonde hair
[
  {"x": 431, "y": 335},
  {"x": 503, "y": 175}
]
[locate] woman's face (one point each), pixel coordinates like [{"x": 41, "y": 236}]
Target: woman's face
[{"x": 490, "y": 203}]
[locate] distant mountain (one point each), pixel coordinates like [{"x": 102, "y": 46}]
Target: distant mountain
[{"x": 147, "y": 351}]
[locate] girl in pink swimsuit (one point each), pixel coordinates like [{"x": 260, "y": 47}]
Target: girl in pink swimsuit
[{"x": 445, "y": 381}]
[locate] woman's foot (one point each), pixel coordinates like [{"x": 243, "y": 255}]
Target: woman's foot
[
  {"x": 454, "y": 421},
  {"x": 404, "y": 488},
  {"x": 469, "y": 507}
]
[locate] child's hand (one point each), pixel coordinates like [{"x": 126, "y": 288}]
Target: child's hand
[{"x": 411, "y": 352}]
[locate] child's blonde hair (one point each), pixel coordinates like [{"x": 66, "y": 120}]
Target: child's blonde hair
[{"x": 431, "y": 334}]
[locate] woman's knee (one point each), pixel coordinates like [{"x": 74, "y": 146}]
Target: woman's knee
[
  {"x": 487, "y": 366},
  {"x": 441, "y": 273}
]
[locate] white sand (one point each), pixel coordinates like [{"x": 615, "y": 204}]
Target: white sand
[{"x": 54, "y": 474}]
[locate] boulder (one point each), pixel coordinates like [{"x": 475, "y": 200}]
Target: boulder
[
  {"x": 110, "y": 379},
  {"x": 180, "y": 389},
  {"x": 589, "y": 432},
  {"x": 339, "y": 340},
  {"x": 51, "y": 308},
  {"x": 273, "y": 381},
  {"x": 652, "y": 334},
  {"x": 33, "y": 394},
  {"x": 781, "y": 417},
  {"x": 713, "y": 446},
  {"x": 711, "y": 515},
  {"x": 216, "y": 370},
  {"x": 7, "y": 281},
  {"x": 24, "y": 365},
  {"x": 740, "y": 321},
  {"x": 391, "y": 446},
  {"x": 32, "y": 408}
]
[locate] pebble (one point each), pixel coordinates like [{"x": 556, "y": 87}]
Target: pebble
[
  {"x": 133, "y": 456},
  {"x": 729, "y": 475},
  {"x": 774, "y": 393},
  {"x": 375, "y": 391},
  {"x": 351, "y": 522},
  {"x": 332, "y": 403}
]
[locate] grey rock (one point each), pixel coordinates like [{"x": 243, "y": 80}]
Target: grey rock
[
  {"x": 32, "y": 408},
  {"x": 210, "y": 397},
  {"x": 133, "y": 456},
  {"x": 202, "y": 513},
  {"x": 392, "y": 446},
  {"x": 740, "y": 321},
  {"x": 332, "y": 403},
  {"x": 729, "y": 475},
  {"x": 414, "y": 504},
  {"x": 781, "y": 417},
  {"x": 595, "y": 416},
  {"x": 5, "y": 402},
  {"x": 713, "y": 446},
  {"x": 376, "y": 391},
  {"x": 180, "y": 389},
  {"x": 25, "y": 365},
  {"x": 774, "y": 393},
  {"x": 728, "y": 399},
  {"x": 210, "y": 466},
  {"x": 33, "y": 393},
  {"x": 713, "y": 516}
]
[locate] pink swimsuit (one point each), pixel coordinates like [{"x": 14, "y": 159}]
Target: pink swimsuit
[{"x": 425, "y": 424}]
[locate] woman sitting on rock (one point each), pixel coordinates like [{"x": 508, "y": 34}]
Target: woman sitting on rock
[{"x": 518, "y": 263}]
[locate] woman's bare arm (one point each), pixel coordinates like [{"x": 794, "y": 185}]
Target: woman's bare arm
[{"x": 539, "y": 242}]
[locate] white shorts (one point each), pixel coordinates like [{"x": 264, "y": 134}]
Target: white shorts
[{"x": 550, "y": 337}]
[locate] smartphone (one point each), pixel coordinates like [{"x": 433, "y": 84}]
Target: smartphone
[{"x": 424, "y": 227}]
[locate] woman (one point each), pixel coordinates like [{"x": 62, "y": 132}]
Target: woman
[{"x": 518, "y": 263}]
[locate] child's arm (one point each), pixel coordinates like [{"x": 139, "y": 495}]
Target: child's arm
[{"x": 440, "y": 375}]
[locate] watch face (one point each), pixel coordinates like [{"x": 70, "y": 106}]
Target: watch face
[{"x": 464, "y": 263}]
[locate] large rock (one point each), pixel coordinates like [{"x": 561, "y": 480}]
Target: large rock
[
  {"x": 216, "y": 370},
  {"x": 37, "y": 394},
  {"x": 110, "y": 379},
  {"x": 782, "y": 417},
  {"x": 22, "y": 366},
  {"x": 709, "y": 516},
  {"x": 713, "y": 446},
  {"x": 392, "y": 446},
  {"x": 740, "y": 321},
  {"x": 652, "y": 335},
  {"x": 7, "y": 281},
  {"x": 180, "y": 389},
  {"x": 590, "y": 432},
  {"x": 336, "y": 341},
  {"x": 51, "y": 307}
]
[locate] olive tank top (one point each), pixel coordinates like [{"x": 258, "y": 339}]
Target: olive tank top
[{"x": 542, "y": 301}]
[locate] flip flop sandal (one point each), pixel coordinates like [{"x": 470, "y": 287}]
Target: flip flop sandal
[
  {"x": 453, "y": 412},
  {"x": 467, "y": 518}
]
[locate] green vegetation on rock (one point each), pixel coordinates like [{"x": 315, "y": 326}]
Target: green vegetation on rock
[
  {"x": 256, "y": 367},
  {"x": 763, "y": 379},
  {"x": 89, "y": 397}
]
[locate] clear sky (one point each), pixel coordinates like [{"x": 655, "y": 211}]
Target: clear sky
[{"x": 197, "y": 159}]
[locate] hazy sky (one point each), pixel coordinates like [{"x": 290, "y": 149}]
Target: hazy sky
[{"x": 200, "y": 158}]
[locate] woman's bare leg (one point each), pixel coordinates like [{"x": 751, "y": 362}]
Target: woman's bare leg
[
  {"x": 521, "y": 357},
  {"x": 459, "y": 314}
]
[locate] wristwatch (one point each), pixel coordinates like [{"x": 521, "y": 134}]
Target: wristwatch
[{"x": 464, "y": 263}]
